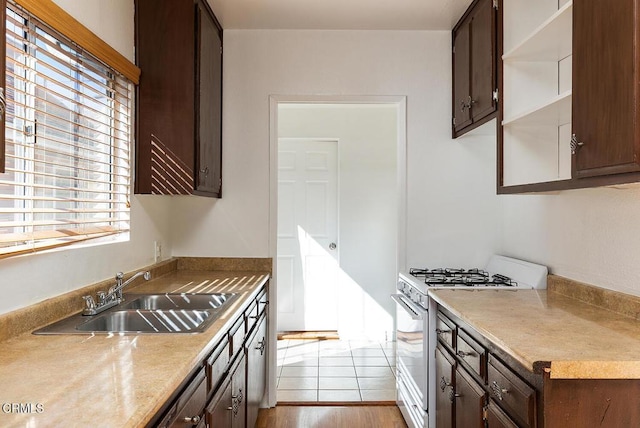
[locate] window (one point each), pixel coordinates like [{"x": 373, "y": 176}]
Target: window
[{"x": 67, "y": 141}]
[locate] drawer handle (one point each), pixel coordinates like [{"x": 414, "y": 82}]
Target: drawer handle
[
  {"x": 444, "y": 383},
  {"x": 463, "y": 354},
  {"x": 497, "y": 390},
  {"x": 440, "y": 331},
  {"x": 194, "y": 420}
]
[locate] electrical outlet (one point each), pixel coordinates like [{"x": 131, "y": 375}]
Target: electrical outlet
[{"x": 157, "y": 251}]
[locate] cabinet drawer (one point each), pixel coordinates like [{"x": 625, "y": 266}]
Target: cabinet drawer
[
  {"x": 512, "y": 393},
  {"x": 446, "y": 330},
  {"x": 471, "y": 353},
  {"x": 217, "y": 365},
  {"x": 236, "y": 336},
  {"x": 188, "y": 409}
]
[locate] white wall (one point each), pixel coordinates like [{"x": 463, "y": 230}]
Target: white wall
[
  {"x": 29, "y": 279},
  {"x": 590, "y": 235},
  {"x": 368, "y": 205},
  {"x": 451, "y": 191},
  {"x": 111, "y": 20}
]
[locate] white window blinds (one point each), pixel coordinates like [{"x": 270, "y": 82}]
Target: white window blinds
[{"x": 68, "y": 134}]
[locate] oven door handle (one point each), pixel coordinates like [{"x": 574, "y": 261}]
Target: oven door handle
[{"x": 414, "y": 312}]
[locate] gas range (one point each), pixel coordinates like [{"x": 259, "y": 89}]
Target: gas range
[
  {"x": 500, "y": 273},
  {"x": 416, "y": 321}
]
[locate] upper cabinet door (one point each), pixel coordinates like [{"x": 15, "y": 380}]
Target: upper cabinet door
[
  {"x": 165, "y": 100},
  {"x": 461, "y": 82},
  {"x": 483, "y": 60},
  {"x": 474, "y": 67},
  {"x": 209, "y": 101},
  {"x": 605, "y": 87}
]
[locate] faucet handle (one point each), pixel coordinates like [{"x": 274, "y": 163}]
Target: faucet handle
[
  {"x": 91, "y": 304},
  {"x": 102, "y": 297},
  {"x": 119, "y": 276}
]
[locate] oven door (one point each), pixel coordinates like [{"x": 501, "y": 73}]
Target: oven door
[{"x": 412, "y": 341}]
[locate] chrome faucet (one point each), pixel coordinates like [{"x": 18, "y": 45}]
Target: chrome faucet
[{"x": 113, "y": 297}]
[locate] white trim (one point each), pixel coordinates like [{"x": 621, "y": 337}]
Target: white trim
[{"x": 274, "y": 100}]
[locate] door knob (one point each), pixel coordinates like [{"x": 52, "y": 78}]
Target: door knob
[{"x": 332, "y": 246}]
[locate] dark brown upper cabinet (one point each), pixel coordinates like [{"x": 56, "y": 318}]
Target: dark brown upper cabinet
[
  {"x": 179, "y": 105},
  {"x": 569, "y": 90},
  {"x": 606, "y": 80},
  {"x": 474, "y": 67}
]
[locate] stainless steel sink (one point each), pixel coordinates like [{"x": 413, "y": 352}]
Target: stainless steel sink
[
  {"x": 176, "y": 301},
  {"x": 149, "y": 313},
  {"x": 144, "y": 321}
]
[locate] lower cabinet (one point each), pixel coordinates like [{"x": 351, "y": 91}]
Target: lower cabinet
[
  {"x": 469, "y": 398},
  {"x": 445, "y": 389},
  {"x": 256, "y": 369},
  {"x": 474, "y": 388},
  {"x": 479, "y": 385},
  {"x": 228, "y": 406},
  {"x": 229, "y": 385},
  {"x": 187, "y": 409}
]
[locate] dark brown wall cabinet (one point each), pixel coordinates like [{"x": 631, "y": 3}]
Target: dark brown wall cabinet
[
  {"x": 474, "y": 67},
  {"x": 570, "y": 90},
  {"x": 179, "y": 110}
]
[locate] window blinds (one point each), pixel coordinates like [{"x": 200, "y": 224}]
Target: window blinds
[{"x": 68, "y": 133}]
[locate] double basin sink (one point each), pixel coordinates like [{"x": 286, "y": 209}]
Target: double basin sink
[{"x": 149, "y": 313}]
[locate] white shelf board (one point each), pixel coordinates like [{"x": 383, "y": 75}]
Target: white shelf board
[
  {"x": 556, "y": 111},
  {"x": 551, "y": 41}
]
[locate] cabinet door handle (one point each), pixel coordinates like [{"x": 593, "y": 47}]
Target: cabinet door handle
[
  {"x": 498, "y": 391},
  {"x": 453, "y": 395},
  {"x": 205, "y": 170},
  {"x": 463, "y": 106},
  {"x": 444, "y": 383},
  {"x": 575, "y": 144},
  {"x": 194, "y": 420},
  {"x": 3, "y": 103}
]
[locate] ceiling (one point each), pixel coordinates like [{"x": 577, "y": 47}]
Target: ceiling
[{"x": 339, "y": 14}]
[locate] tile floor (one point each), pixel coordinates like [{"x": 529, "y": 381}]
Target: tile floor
[{"x": 336, "y": 371}]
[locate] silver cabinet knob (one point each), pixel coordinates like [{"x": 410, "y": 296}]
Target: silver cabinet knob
[
  {"x": 194, "y": 420},
  {"x": 575, "y": 144},
  {"x": 333, "y": 246}
]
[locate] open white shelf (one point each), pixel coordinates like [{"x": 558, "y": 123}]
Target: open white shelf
[
  {"x": 551, "y": 41},
  {"x": 556, "y": 111}
]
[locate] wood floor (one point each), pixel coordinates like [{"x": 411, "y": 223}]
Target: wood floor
[{"x": 330, "y": 417}]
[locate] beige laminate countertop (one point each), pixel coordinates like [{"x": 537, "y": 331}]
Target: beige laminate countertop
[
  {"x": 540, "y": 328},
  {"x": 112, "y": 380}
]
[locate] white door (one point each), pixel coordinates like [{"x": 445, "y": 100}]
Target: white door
[{"x": 307, "y": 265}]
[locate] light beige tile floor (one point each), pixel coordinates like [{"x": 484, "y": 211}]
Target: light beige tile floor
[{"x": 336, "y": 370}]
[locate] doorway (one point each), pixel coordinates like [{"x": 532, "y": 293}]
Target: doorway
[{"x": 369, "y": 134}]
